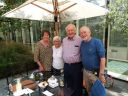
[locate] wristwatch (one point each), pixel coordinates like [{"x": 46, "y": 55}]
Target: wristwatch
[{"x": 101, "y": 73}]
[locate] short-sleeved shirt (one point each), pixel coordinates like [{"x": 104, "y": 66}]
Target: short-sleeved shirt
[
  {"x": 91, "y": 53},
  {"x": 71, "y": 49},
  {"x": 44, "y": 55}
]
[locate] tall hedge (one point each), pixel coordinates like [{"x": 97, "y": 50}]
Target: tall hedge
[{"x": 15, "y": 58}]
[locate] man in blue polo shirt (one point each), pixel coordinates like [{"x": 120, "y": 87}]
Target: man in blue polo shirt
[{"x": 92, "y": 55}]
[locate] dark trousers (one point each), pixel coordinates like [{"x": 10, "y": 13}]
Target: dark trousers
[
  {"x": 56, "y": 72},
  {"x": 73, "y": 79}
]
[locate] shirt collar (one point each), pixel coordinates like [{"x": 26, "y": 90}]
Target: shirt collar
[{"x": 72, "y": 38}]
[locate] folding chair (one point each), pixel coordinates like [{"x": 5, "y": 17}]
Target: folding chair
[{"x": 98, "y": 89}]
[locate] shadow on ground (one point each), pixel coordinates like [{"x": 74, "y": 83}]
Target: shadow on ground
[{"x": 120, "y": 88}]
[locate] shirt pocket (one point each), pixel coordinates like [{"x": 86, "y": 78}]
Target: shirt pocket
[{"x": 76, "y": 49}]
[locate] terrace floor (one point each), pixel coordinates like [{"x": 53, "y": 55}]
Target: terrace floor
[
  {"x": 120, "y": 88},
  {"x": 116, "y": 69}
]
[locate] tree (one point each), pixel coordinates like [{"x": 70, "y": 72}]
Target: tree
[
  {"x": 118, "y": 20},
  {"x": 8, "y": 25}
]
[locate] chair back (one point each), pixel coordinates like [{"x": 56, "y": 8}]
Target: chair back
[{"x": 98, "y": 89}]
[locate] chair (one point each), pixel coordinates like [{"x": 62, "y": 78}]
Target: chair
[{"x": 98, "y": 89}]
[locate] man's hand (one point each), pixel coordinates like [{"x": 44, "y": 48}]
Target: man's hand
[{"x": 102, "y": 78}]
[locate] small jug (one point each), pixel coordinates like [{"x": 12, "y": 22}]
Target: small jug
[{"x": 18, "y": 84}]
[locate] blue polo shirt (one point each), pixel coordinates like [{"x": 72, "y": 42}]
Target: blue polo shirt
[{"x": 91, "y": 53}]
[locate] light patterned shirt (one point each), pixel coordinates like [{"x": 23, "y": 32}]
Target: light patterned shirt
[
  {"x": 71, "y": 49},
  {"x": 44, "y": 55}
]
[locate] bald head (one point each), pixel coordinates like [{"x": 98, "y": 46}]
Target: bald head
[
  {"x": 85, "y": 28},
  {"x": 85, "y": 33}
]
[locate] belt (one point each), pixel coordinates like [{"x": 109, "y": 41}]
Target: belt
[
  {"x": 95, "y": 72},
  {"x": 73, "y": 63}
]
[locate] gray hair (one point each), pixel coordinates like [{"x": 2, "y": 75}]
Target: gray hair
[
  {"x": 86, "y": 27},
  {"x": 56, "y": 37},
  {"x": 74, "y": 27}
]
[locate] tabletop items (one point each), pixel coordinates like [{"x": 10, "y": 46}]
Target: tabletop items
[
  {"x": 22, "y": 92},
  {"x": 34, "y": 82},
  {"x": 36, "y": 75},
  {"x": 53, "y": 82},
  {"x": 43, "y": 84},
  {"x": 47, "y": 93}
]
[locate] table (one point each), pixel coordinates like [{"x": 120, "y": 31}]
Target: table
[
  {"x": 57, "y": 91},
  {"x": 32, "y": 84}
]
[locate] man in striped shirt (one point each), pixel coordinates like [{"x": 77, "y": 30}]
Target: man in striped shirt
[{"x": 72, "y": 62}]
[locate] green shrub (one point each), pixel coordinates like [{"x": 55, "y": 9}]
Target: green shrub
[{"x": 15, "y": 58}]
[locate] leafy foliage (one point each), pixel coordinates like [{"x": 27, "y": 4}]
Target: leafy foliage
[
  {"x": 118, "y": 20},
  {"x": 9, "y": 24},
  {"x": 15, "y": 57}
]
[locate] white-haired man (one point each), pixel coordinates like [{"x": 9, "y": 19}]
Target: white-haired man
[
  {"x": 92, "y": 55},
  {"x": 72, "y": 62}
]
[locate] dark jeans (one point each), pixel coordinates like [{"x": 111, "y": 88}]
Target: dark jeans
[
  {"x": 56, "y": 72},
  {"x": 73, "y": 79}
]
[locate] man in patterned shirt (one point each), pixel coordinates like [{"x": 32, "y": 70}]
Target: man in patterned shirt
[{"x": 72, "y": 62}]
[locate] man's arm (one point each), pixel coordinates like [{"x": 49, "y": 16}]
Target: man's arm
[
  {"x": 102, "y": 65},
  {"x": 102, "y": 68}
]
